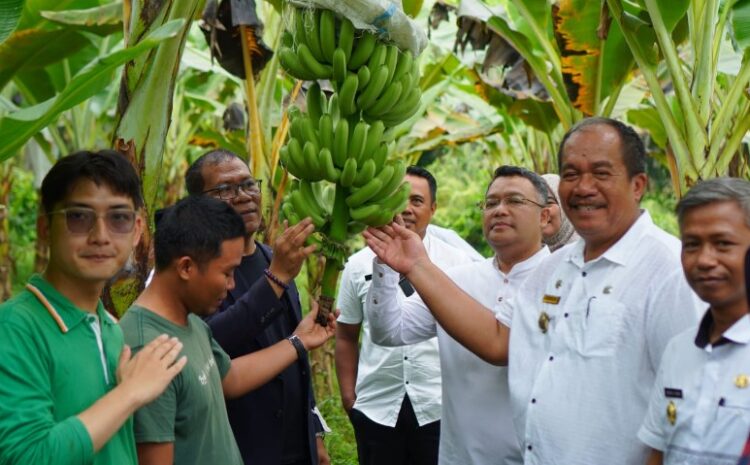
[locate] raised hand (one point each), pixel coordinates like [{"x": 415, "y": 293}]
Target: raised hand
[
  {"x": 396, "y": 246},
  {"x": 289, "y": 252},
  {"x": 148, "y": 373},
  {"x": 312, "y": 334}
]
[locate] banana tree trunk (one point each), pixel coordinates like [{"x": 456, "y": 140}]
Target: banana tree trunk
[{"x": 144, "y": 110}]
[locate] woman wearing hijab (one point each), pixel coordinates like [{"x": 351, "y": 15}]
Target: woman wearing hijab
[{"x": 559, "y": 231}]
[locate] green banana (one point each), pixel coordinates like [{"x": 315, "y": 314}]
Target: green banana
[
  {"x": 315, "y": 170},
  {"x": 395, "y": 180},
  {"x": 391, "y": 60},
  {"x": 364, "y": 76},
  {"x": 348, "y": 173},
  {"x": 341, "y": 143},
  {"x": 326, "y": 160},
  {"x": 308, "y": 131},
  {"x": 365, "y": 173},
  {"x": 304, "y": 209},
  {"x": 405, "y": 108},
  {"x": 381, "y": 154},
  {"x": 397, "y": 202},
  {"x": 365, "y": 212},
  {"x": 381, "y": 219},
  {"x": 378, "y": 56},
  {"x": 290, "y": 165},
  {"x": 404, "y": 64},
  {"x": 374, "y": 137},
  {"x": 365, "y": 46},
  {"x": 297, "y": 158},
  {"x": 287, "y": 40},
  {"x": 355, "y": 227},
  {"x": 364, "y": 193},
  {"x": 333, "y": 106},
  {"x": 347, "y": 95},
  {"x": 314, "y": 101},
  {"x": 327, "y": 34},
  {"x": 339, "y": 66},
  {"x": 325, "y": 131},
  {"x": 387, "y": 100},
  {"x": 306, "y": 58},
  {"x": 312, "y": 33},
  {"x": 346, "y": 38},
  {"x": 368, "y": 98},
  {"x": 299, "y": 26},
  {"x": 288, "y": 210},
  {"x": 291, "y": 63},
  {"x": 312, "y": 199},
  {"x": 357, "y": 141}
]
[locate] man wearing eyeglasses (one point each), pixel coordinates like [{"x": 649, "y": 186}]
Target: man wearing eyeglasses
[
  {"x": 278, "y": 423},
  {"x": 476, "y": 419},
  {"x": 590, "y": 323},
  {"x": 69, "y": 387}
]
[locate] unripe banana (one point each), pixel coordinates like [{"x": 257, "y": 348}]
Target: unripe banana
[
  {"x": 381, "y": 218},
  {"x": 404, "y": 64},
  {"x": 299, "y": 26},
  {"x": 306, "y": 58},
  {"x": 368, "y": 98},
  {"x": 366, "y": 172},
  {"x": 287, "y": 40},
  {"x": 395, "y": 180},
  {"x": 378, "y": 56},
  {"x": 374, "y": 137},
  {"x": 347, "y": 95},
  {"x": 387, "y": 100},
  {"x": 314, "y": 102},
  {"x": 311, "y": 198},
  {"x": 287, "y": 210},
  {"x": 327, "y": 34},
  {"x": 333, "y": 106},
  {"x": 355, "y": 227},
  {"x": 308, "y": 131},
  {"x": 364, "y": 76},
  {"x": 381, "y": 154},
  {"x": 357, "y": 141},
  {"x": 312, "y": 34},
  {"x": 391, "y": 60},
  {"x": 348, "y": 173},
  {"x": 364, "y": 193},
  {"x": 325, "y": 131},
  {"x": 289, "y": 163},
  {"x": 297, "y": 158},
  {"x": 346, "y": 37},
  {"x": 304, "y": 209},
  {"x": 339, "y": 66},
  {"x": 326, "y": 160},
  {"x": 315, "y": 170},
  {"x": 291, "y": 63},
  {"x": 364, "y": 212},
  {"x": 341, "y": 143},
  {"x": 397, "y": 202},
  {"x": 365, "y": 46}
]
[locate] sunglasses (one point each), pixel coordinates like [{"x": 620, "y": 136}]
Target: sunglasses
[{"x": 79, "y": 220}]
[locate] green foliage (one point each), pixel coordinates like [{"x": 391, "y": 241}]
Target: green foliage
[
  {"x": 22, "y": 217},
  {"x": 10, "y": 13}
]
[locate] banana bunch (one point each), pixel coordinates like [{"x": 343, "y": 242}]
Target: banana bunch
[{"x": 372, "y": 78}]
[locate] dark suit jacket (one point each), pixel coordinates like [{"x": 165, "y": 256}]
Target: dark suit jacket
[{"x": 239, "y": 327}]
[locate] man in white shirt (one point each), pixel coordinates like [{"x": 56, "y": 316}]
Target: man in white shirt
[
  {"x": 590, "y": 323},
  {"x": 700, "y": 404},
  {"x": 477, "y": 423},
  {"x": 394, "y": 406}
]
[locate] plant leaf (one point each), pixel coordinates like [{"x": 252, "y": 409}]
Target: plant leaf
[
  {"x": 17, "y": 127},
  {"x": 10, "y": 13},
  {"x": 741, "y": 23},
  {"x": 103, "y": 20}
]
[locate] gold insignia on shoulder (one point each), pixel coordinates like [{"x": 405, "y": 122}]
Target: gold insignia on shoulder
[
  {"x": 544, "y": 322},
  {"x": 551, "y": 299},
  {"x": 671, "y": 413},
  {"x": 741, "y": 381},
  {"x": 607, "y": 289},
  {"x": 558, "y": 284}
]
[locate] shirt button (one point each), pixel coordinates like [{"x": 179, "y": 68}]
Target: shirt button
[
  {"x": 380, "y": 275},
  {"x": 565, "y": 315},
  {"x": 499, "y": 299},
  {"x": 533, "y": 401},
  {"x": 406, "y": 382},
  {"x": 505, "y": 281},
  {"x": 406, "y": 358},
  {"x": 583, "y": 274},
  {"x": 375, "y": 301},
  {"x": 528, "y": 447},
  {"x": 551, "y": 357}
]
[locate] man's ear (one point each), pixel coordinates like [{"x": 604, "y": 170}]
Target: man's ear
[
  {"x": 433, "y": 207},
  {"x": 138, "y": 229},
  {"x": 186, "y": 268},
  {"x": 639, "y": 182},
  {"x": 42, "y": 227},
  {"x": 545, "y": 217}
]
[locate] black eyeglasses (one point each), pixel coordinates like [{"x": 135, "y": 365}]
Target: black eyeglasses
[
  {"x": 510, "y": 201},
  {"x": 231, "y": 191},
  {"x": 81, "y": 220}
]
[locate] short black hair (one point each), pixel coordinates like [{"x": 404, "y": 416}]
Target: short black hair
[
  {"x": 196, "y": 226},
  {"x": 507, "y": 171},
  {"x": 105, "y": 167},
  {"x": 632, "y": 150},
  {"x": 420, "y": 172},
  {"x": 194, "y": 181}
]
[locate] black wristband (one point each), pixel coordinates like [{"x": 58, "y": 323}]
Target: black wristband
[
  {"x": 298, "y": 346},
  {"x": 276, "y": 279}
]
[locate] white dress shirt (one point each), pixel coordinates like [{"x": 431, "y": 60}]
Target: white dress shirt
[
  {"x": 579, "y": 390},
  {"x": 477, "y": 426},
  {"x": 699, "y": 412},
  {"x": 386, "y": 374}
]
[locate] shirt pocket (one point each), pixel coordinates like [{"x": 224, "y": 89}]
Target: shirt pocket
[
  {"x": 729, "y": 431},
  {"x": 603, "y": 324}
]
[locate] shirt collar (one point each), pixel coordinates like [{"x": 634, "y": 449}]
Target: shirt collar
[
  {"x": 67, "y": 312},
  {"x": 622, "y": 250},
  {"x": 738, "y": 333},
  {"x": 528, "y": 264}
]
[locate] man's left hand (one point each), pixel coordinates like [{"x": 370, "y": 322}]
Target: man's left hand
[{"x": 323, "y": 458}]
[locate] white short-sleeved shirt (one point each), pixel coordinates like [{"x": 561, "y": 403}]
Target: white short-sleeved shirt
[
  {"x": 586, "y": 340},
  {"x": 476, "y": 426},
  {"x": 386, "y": 374},
  {"x": 699, "y": 412}
]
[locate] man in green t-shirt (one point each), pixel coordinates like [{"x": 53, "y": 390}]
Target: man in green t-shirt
[
  {"x": 198, "y": 243},
  {"x": 67, "y": 385}
]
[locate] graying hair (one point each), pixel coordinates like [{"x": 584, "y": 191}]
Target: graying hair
[{"x": 716, "y": 190}]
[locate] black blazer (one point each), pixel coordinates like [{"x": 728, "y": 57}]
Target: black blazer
[{"x": 239, "y": 327}]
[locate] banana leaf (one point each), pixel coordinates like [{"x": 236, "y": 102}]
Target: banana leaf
[{"x": 10, "y": 13}]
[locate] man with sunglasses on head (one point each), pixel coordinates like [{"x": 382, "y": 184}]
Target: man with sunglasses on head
[
  {"x": 278, "y": 423},
  {"x": 586, "y": 330},
  {"x": 476, "y": 419},
  {"x": 69, "y": 386}
]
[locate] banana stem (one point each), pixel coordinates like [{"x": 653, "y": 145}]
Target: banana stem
[
  {"x": 339, "y": 217},
  {"x": 328, "y": 289}
]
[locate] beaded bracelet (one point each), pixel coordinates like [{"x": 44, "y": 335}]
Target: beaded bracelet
[{"x": 276, "y": 279}]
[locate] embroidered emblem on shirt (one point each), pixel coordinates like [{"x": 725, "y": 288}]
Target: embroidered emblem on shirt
[
  {"x": 671, "y": 413},
  {"x": 558, "y": 284},
  {"x": 607, "y": 289},
  {"x": 672, "y": 392},
  {"x": 544, "y": 322},
  {"x": 551, "y": 299},
  {"x": 741, "y": 381}
]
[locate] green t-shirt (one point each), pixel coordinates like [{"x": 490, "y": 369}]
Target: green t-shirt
[
  {"x": 51, "y": 369},
  {"x": 191, "y": 413}
]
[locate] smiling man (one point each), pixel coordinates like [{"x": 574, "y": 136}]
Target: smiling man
[
  {"x": 68, "y": 385},
  {"x": 197, "y": 246},
  {"x": 277, "y": 423},
  {"x": 700, "y": 404},
  {"x": 589, "y": 325}
]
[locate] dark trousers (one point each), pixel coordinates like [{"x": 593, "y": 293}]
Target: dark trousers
[{"x": 405, "y": 444}]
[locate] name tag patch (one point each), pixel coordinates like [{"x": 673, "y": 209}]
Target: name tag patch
[
  {"x": 551, "y": 299},
  {"x": 673, "y": 393}
]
